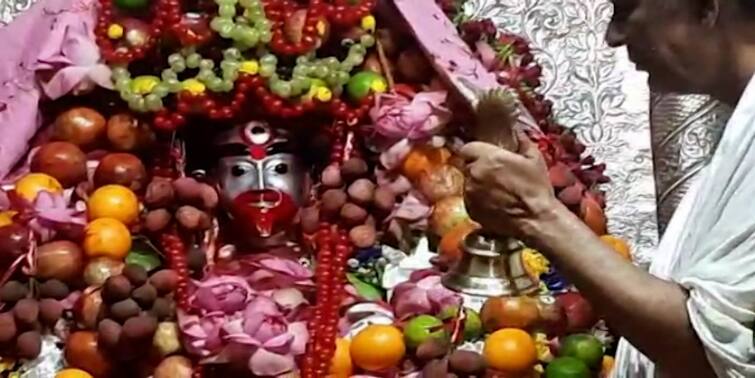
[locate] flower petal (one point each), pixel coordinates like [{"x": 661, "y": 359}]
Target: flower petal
[{"x": 266, "y": 363}]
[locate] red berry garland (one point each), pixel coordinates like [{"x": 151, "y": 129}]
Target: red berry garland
[{"x": 124, "y": 55}]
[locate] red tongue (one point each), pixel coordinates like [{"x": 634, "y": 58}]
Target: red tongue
[
  {"x": 264, "y": 223},
  {"x": 264, "y": 211}
]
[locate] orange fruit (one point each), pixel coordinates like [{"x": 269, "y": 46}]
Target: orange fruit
[
  {"x": 107, "y": 237},
  {"x": 422, "y": 159},
  {"x": 619, "y": 245},
  {"x": 340, "y": 365},
  {"x": 450, "y": 244},
  {"x": 378, "y": 347},
  {"x": 114, "y": 201},
  {"x": 510, "y": 350},
  {"x": 29, "y": 186},
  {"x": 73, "y": 373}
]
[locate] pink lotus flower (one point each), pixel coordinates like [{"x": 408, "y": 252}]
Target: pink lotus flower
[
  {"x": 272, "y": 272},
  {"x": 224, "y": 294},
  {"x": 395, "y": 117},
  {"x": 201, "y": 334},
  {"x": 422, "y": 294},
  {"x": 270, "y": 341}
]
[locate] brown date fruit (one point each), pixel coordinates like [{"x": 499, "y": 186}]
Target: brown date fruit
[
  {"x": 353, "y": 169},
  {"x": 159, "y": 193},
  {"x": 108, "y": 333},
  {"x": 62, "y": 160},
  {"x": 362, "y": 191},
  {"x": 363, "y": 236},
  {"x": 332, "y": 201},
  {"x": 50, "y": 310},
  {"x": 8, "y": 328},
  {"x": 157, "y": 220},
  {"x": 466, "y": 362},
  {"x": 124, "y": 309},
  {"x": 165, "y": 281},
  {"x": 145, "y": 295},
  {"x": 116, "y": 288},
  {"x": 26, "y": 311},
  {"x": 121, "y": 169},
  {"x": 84, "y": 127},
  {"x": 140, "y": 327},
  {"x": 54, "y": 289},
  {"x": 136, "y": 274},
  {"x": 13, "y": 291},
  {"x": 353, "y": 214},
  {"x": 29, "y": 344}
]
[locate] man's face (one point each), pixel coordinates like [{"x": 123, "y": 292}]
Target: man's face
[{"x": 670, "y": 39}]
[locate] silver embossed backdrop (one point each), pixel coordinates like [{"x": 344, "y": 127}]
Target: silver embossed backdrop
[{"x": 595, "y": 90}]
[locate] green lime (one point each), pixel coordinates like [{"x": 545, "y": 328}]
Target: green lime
[
  {"x": 584, "y": 347},
  {"x": 567, "y": 367},
  {"x": 365, "y": 82},
  {"x": 472, "y": 325},
  {"x": 131, "y": 4},
  {"x": 421, "y": 328}
]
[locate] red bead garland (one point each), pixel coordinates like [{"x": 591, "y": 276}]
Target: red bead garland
[
  {"x": 334, "y": 249},
  {"x": 344, "y": 13},
  {"x": 176, "y": 251}
]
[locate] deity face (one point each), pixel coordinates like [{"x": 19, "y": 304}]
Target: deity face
[{"x": 262, "y": 183}]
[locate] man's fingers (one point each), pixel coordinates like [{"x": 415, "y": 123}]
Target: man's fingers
[
  {"x": 526, "y": 146},
  {"x": 475, "y": 150}
]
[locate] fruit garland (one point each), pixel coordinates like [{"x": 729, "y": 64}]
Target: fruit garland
[{"x": 314, "y": 81}]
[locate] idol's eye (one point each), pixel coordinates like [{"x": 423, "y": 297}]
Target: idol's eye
[
  {"x": 239, "y": 170},
  {"x": 281, "y": 168}
]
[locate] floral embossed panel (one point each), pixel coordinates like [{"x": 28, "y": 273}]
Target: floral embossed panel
[{"x": 597, "y": 92}]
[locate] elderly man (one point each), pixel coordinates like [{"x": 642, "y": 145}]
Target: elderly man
[{"x": 692, "y": 315}]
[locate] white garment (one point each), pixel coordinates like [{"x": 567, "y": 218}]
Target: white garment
[{"x": 709, "y": 248}]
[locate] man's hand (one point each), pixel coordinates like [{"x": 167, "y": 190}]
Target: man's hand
[{"x": 506, "y": 191}]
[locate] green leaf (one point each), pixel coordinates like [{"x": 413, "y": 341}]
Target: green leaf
[
  {"x": 367, "y": 291},
  {"x": 144, "y": 255}
]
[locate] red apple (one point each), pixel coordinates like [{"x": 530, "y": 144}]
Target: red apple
[{"x": 579, "y": 313}]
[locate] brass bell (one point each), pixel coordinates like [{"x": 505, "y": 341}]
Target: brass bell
[{"x": 490, "y": 267}]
